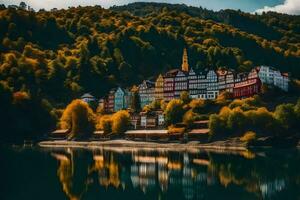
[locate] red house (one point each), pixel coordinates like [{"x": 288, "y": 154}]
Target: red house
[
  {"x": 111, "y": 101},
  {"x": 169, "y": 84},
  {"x": 247, "y": 86}
]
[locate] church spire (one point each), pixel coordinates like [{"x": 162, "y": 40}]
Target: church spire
[{"x": 185, "y": 63}]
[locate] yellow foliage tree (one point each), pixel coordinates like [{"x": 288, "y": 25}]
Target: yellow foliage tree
[
  {"x": 105, "y": 124},
  {"x": 79, "y": 118},
  {"x": 120, "y": 122}
]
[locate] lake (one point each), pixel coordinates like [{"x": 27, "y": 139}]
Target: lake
[{"x": 127, "y": 173}]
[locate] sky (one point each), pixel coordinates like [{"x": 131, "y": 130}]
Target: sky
[{"x": 282, "y": 6}]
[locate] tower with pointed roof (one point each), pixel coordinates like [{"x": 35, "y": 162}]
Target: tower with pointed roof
[{"x": 185, "y": 62}]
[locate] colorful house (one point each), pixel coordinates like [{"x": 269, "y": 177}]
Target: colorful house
[
  {"x": 271, "y": 76},
  {"x": 212, "y": 85},
  {"x": 119, "y": 99},
  {"x": 193, "y": 84},
  {"x": 159, "y": 88},
  {"x": 152, "y": 119},
  {"x": 127, "y": 98},
  {"x": 247, "y": 85},
  {"x": 180, "y": 83},
  {"x": 147, "y": 92},
  {"x": 169, "y": 84},
  {"x": 225, "y": 80},
  {"x": 148, "y": 120},
  {"x": 111, "y": 101}
]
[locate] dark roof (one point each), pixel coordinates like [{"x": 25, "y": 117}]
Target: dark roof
[
  {"x": 148, "y": 83},
  {"x": 242, "y": 75},
  {"x": 172, "y": 73},
  {"x": 87, "y": 96}
]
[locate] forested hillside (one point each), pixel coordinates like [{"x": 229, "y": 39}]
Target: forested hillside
[{"x": 51, "y": 57}]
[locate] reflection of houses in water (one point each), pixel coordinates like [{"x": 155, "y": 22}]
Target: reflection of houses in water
[
  {"x": 143, "y": 176},
  {"x": 143, "y": 172},
  {"x": 148, "y": 172},
  {"x": 268, "y": 189},
  {"x": 187, "y": 178},
  {"x": 163, "y": 176},
  {"x": 175, "y": 171},
  {"x": 108, "y": 171}
]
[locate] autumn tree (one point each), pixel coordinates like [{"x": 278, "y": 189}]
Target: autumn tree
[
  {"x": 174, "y": 111},
  {"x": 135, "y": 100},
  {"x": 79, "y": 119},
  {"x": 120, "y": 122}
]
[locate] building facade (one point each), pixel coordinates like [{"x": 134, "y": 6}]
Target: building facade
[
  {"x": 169, "y": 84},
  {"x": 269, "y": 75},
  {"x": 119, "y": 100},
  {"x": 180, "y": 83},
  {"x": 127, "y": 98},
  {"x": 247, "y": 85},
  {"x": 281, "y": 80},
  {"x": 111, "y": 101},
  {"x": 193, "y": 84},
  {"x": 225, "y": 80},
  {"x": 147, "y": 92},
  {"x": 159, "y": 88},
  {"x": 212, "y": 85}
]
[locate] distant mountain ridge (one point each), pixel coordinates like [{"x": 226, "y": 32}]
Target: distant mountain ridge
[{"x": 227, "y": 16}]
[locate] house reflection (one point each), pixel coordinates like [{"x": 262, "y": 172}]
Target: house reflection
[{"x": 194, "y": 175}]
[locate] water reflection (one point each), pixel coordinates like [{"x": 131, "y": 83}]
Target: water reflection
[{"x": 193, "y": 174}]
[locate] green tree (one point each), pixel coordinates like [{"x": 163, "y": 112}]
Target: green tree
[
  {"x": 286, "y": 115},
  {"x": 135, "y": 101},
  {"x": 174, "y": 112},
  {"x": 185, "y": 97}
]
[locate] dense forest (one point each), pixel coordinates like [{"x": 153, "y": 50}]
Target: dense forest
[{"x": 49, "y": 58}]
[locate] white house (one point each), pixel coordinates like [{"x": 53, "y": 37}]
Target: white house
[
  {"x": 271, "y": 76},
  {"x": 212, "y": 85},
  {"x": 180, "y": 84}
]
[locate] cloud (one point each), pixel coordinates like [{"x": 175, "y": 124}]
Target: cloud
[{"x": 289, "y": 7}]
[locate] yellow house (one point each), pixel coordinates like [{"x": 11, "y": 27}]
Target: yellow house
[{"x": 159, "y": 88}]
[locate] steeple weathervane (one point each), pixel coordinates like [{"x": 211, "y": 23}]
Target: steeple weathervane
[{"x": 185, "y": 63}]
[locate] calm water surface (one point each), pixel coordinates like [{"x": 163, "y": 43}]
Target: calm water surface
[{"x": 148, "y": 174}]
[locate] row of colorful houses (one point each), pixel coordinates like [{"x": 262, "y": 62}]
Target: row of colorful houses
[{"x": 206, "y": 84}]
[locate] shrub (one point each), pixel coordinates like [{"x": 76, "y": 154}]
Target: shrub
[
  {"x": 173, "y": 130},
  {"x": 224, "y": 98},
  {"x": 120, "y": 122},
  {"x": 189, "y": 118},
  {"x": 216, "y": 125},
  {"x": 250, "y": 103},
  {"x": 105, "y": 124},
  {"x": 197, "y": 105},
  {"x": 286, "y": 115},
  {"x": 248, "y": 137},
  {"x": 174, "y": 112},
  {"x": 185, "y": 97},
  {"x": 236, "y": 120}
]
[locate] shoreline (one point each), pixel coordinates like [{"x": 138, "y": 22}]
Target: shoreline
[{"x": 140, "y": 144}]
